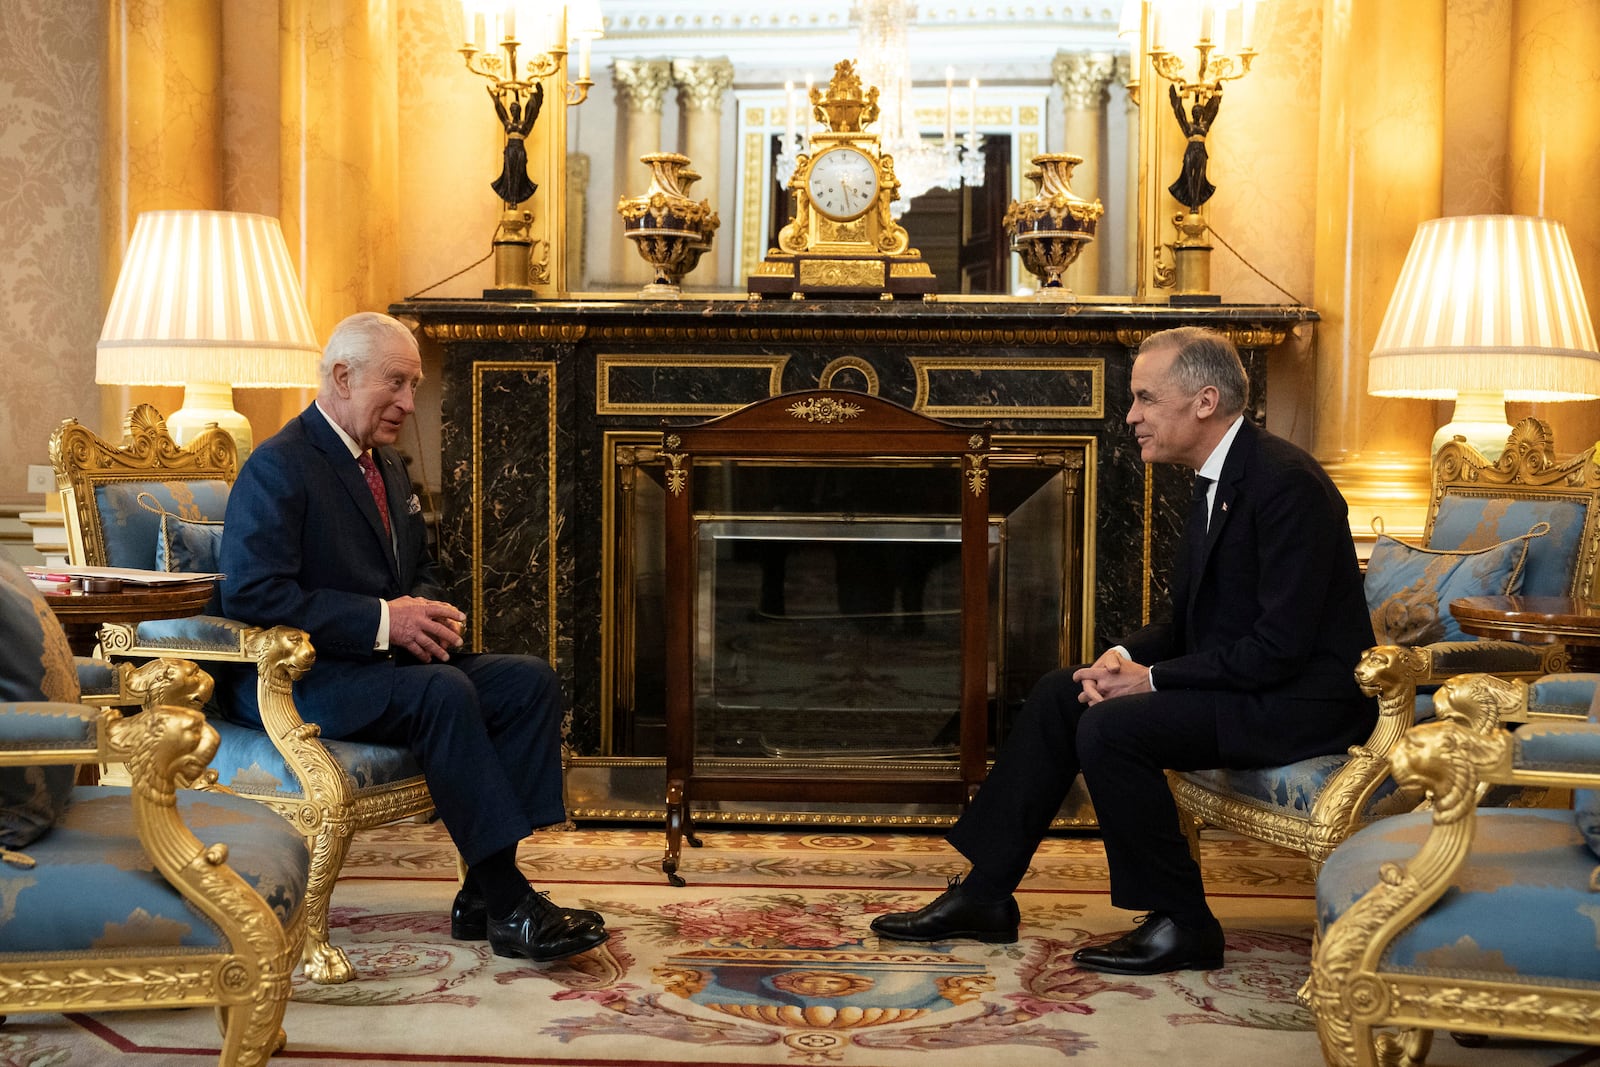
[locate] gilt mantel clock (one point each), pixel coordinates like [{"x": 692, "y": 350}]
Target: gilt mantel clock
[{"x": 842, "y": 240}]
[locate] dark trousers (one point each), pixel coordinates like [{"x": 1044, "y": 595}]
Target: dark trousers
[
  {"x": 1122, "y": 746},
  {"x": 486, "y": 730}
]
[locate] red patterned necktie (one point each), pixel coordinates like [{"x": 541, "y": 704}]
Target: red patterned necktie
[{"x": 375, "y": 483}]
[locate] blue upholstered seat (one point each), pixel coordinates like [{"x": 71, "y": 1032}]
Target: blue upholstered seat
[
  {"x": 1520, "y": 904},
  {"x": 1467, "y": 918},
  {"x": 93, "y": 889},
  {"x": 114, "y": 898},
  {"x": 249, "y": 762}
]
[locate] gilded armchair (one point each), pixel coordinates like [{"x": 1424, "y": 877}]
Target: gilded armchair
[
  {"x": 111, "y": 900},
  {"x": 1474, "y": 920},
  {"x": 1311, "y": 806},
  {"x": 121, "y": 504}
]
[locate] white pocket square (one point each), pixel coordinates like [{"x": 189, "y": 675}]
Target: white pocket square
[{"x": 413, "y": 505}]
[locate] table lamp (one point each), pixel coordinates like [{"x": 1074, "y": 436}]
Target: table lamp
[
  {"x": 207, "y": 300},
  {"x": 1488, "y": 308}
]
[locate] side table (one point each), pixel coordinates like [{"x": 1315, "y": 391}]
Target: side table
[
  {"x": 82, "y": 614},
  {"x": 1535, "y": 620}
]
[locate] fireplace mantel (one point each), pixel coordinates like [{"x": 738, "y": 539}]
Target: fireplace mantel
[{"x": 541, "y": 399}]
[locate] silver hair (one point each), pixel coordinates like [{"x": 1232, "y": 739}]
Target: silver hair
[
  {"x": 1205, "y": 357},
  {"x": 357, "y": 338}
]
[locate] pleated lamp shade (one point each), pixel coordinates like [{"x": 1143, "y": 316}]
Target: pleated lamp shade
[
  {"x": 208, "y": 300},
  {"x": 1488, "y": 308}
]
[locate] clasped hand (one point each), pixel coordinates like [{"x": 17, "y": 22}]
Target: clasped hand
[
  {"x": 428, "y": 629},
  {"x": 1111, "y": 676}
]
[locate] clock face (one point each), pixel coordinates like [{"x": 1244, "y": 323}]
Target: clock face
[{"x": 843, "y": 183}]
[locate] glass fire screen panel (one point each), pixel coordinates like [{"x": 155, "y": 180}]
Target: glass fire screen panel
[
  {"x": 828, "y": 610},
  {"x": 827, "y": 638}
]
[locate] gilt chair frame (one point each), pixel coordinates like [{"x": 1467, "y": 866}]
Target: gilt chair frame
[
  {"x": 329, "y": 812},
  {"x": 1369, "y": 1016},
  {"x": 246, "y": 979},
  {"x": 1528, "y": 468}
]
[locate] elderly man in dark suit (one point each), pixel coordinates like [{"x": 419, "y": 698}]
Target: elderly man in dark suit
[
  {"x": 1254, "y": 668},
  {"x": 324, "y": 532}
]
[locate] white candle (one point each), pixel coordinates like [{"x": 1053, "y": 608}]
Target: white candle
[
  {"x": 469, "y": 36},
  {"x": 511, "y": 21},
  {"x": 949, "y": 104},
  {"x": 492, "y": 24},
  {"x": 788, "y": 126},
  {"x": 972, "y": 110},
  {"x": 1157, "y": 25},
  {"x": 1247, "y": 26},
  {"x": 1206, "y": 14},
  {"x": 583, "y": 58}
]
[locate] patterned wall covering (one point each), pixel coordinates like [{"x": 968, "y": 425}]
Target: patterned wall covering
[{"x": 50, "y": 159}]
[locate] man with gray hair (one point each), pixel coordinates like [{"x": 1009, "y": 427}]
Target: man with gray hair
[
  {"x": 1253, "y": 667},
  {"x": 324, "y": 532}
]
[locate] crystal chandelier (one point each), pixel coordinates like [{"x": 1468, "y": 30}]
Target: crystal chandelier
[{"x": 884, "y": 60}]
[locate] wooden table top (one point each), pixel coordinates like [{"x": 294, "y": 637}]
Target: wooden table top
[
  {"x": 1529, "y": 619},
  {"x": 134, "y": 603}
]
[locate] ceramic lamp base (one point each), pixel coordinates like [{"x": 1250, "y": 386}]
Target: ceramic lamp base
[{"x": 207, "y": 404}]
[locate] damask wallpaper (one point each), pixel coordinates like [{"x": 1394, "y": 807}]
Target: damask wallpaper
[{"x": 50, "y": 160}]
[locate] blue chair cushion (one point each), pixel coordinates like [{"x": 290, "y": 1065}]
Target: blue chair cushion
[
  {"x": 94, "y": 889},
  {"x": 1525, "y": 862},
  {"x": 35, "y": 665},
  {"x": 188, "y": 545},
  {"x": 1293, "y": 789},
  {"x": 247, "y": 761},
  {"x": 131, "y": 528},
  {"x": 1409, "y": 589},
  {"x": 1473, "y": 520}
]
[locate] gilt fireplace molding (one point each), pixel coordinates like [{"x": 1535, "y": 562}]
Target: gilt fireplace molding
[{"x": 550, "y": 410}]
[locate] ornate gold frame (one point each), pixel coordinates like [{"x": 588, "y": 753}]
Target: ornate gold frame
[
  {"x": 167, "y": 743},
  {"x": 1352, "y": 992}
]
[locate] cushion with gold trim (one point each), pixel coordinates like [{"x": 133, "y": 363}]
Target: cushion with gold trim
[
  {"x": 1409, "y": 589},
  {"x": 36, "y": 665}
]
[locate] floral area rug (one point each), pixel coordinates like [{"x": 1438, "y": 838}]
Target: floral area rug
[{"x": 765, "y": 958}]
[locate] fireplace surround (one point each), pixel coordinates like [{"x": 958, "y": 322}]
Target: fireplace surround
[{"x": 553, "y": 416}]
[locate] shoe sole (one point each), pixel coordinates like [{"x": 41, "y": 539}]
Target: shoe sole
[
  {"x": 512, "y": 953},
  {"x": 1188, "y": 965},
  {"x": 988, "y": 937},
  {"x": 480, "y": 931}
]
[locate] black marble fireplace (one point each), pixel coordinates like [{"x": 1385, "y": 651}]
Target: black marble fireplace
[{"x": 551, "y": 537}]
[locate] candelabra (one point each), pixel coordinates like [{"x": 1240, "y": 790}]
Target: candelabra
[
  {"x": 1220, "y": 34},
  {"x": 524, "y": 44}
]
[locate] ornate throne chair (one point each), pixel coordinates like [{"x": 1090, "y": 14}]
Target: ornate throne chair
[
  {"x": 1313, "y": 805},
  {"x": 1475, "y": 920},
  {"x": 150, "y": 504},
  {"x": 112, "y": 901}
]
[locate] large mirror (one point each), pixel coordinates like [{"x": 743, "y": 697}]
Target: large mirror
[{"x": 725, "y": 84}]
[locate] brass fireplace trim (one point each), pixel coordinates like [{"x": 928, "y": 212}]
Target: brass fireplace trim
[
  {"x": 926, "y": 366},
  {"x": 480, "y": 369},
  {"x": 622, "y": 452},
  {"x": 605, "y": 362}
]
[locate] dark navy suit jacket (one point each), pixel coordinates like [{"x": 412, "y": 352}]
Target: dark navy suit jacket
[
  {"x": 1276, "y": 608},
  {"x": 303, "y": 545}
]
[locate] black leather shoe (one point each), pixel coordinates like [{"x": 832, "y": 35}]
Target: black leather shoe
[
  {"x": 1155, "y": 946},
  {"x": 954, "y": 915},
  {"x": 540, "y": 931},
  {"x": 469, "y": 917}
]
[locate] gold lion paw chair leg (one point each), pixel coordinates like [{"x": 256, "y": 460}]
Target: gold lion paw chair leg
[
  {"x": 152, "y": 505},
  {"x": 1527, "y": 523},
  {"x": 112, "y": 901},
  {"x": 1474, "y": 920}
]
